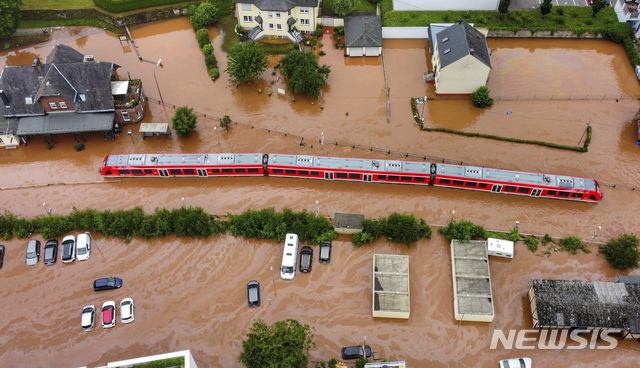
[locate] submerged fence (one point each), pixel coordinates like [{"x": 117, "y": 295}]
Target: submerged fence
[{"x": 548, "y": 97}]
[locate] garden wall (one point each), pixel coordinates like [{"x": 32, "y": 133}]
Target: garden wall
[{"x": 144, "y": 16}]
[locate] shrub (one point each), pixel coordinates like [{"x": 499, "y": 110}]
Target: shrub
[
  {"x": 559, "y": 10},
  {"x": 545, "y": 7},
  {"x": 53, "y": 226},
  {"x": 503, "y": 7},
  {"x": 214, "y": 73},
  {"x": 481, "y": 97},
  {"x": 597, "y": 6},
  {"x": 547, "y": 239},
  {"x": 205, "y": 14},
  {"x": 211, "y": 61},
  {"x": 79, "y": 147},
  {"x": 184, "y": 121},
  {"x": 225, "y": 122},
  {"x": 171, "y": 362},
  {"x": 207, "y": 49},
  {"x": 532, "y": 243},
  {"x": 333, "y": 362},
  {"x": 573, "y": 244},
  {"x": 203, "y": 37},
  {"x": 49, "y": 146},
  {"x": 361, "y": 362},
  {"x": 322, "y": 53},
  {"x": 622, "y": 252},
  {"x": 319, "y": 31},
  {"x": 405, "y": 228},
  {"x": 463, "y": 230},
  {"x": 339, "y": 30}
]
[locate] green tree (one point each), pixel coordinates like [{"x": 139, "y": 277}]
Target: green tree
[
  {"x": 343, "y": 7},
  {"x": 622, "y": 252},
  {"x": 203, "y": 37},
  {"x": 404, "y": 228},
  {"x": 204, "y": 15},
  {"x": 184, "y": 121},
  {"x": 283, "y": 345},
  {"x": 503, "y": 7},
  {"x": 597, "y": 6},
  {"x": 481, "y": 97},
  {"x": 247, "y": 61},
  {"x": 9, "y": 17},
  {"x": 304, "y": 73},
  {"x": 545, "y": 7},
  {"x": 225, "y": 122}
]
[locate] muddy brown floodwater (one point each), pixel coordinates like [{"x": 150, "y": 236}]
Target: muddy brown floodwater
[{"x": 190, "y": 294}]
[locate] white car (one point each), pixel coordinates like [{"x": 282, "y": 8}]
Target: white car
[
  {"x": 83, "y": 248},
  {"x": 109, "y": 314},
  {"x": 88, "y": 317},
  {"x": 126, "y": 310},
  {"x": 68, "y": 253},
  {"x": 515, "y": 363}
]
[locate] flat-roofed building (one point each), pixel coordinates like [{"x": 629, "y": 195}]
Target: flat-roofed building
[
  {"x": 391, "y": 297},
  {"x": 472, "y": 294}
]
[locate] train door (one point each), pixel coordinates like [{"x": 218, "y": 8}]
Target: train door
[
  {"x": 367, "y": 177},
  {"x": 328, "y": 175},
  {"x": 202, "y": 172},
  {"x": 163, "y": 172},
  {"x": 536, "y": 192},
  {"x": 496, "y": 188}
]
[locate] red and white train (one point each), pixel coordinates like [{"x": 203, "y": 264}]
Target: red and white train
[{"x": 353, "y": 169}]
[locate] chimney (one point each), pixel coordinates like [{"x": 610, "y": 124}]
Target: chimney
[{"x": 4, "y": 97}]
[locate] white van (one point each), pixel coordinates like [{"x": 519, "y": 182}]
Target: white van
[{"x": 289, "y": 257}]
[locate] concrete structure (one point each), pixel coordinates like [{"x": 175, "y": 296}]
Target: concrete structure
[
  {"x": 405, "y": 32},
  {"x": 500, "y": 248},
  {"x": 363, "y": 35},
  {"x": 391, "y": 297},
  {"x": 591, "y": 305},
  {"x": 189, "y": 362},
  {"x": 626, "y": 10},
  {"x": 436, "y": 5},
  {"x": 472, "y": 295},
  {"x": 149, "y": 129},
  {"x": 347, "y": 223},
  {"x": 279, "y": 18},
  {"x": 461, "y": 59},
  {"x": 386, "y": 365}
]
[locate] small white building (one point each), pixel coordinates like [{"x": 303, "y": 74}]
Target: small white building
[
  {"x": 500, "y": 248},
  {"x": 461, "y": 60},
  {"x": 436, "y": 5},
  {"x": 363, "y": 35}
]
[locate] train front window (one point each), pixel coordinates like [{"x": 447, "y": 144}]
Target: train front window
[{"x": 576, "y": 195}]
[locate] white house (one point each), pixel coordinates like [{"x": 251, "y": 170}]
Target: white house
[
  {"x": 461, "y": 60},
  {"x": 279, "y": 18},
  {"x": 433, "y": 5}
]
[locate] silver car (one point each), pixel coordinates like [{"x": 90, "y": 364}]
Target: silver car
[{"x": 33, "y": 252}]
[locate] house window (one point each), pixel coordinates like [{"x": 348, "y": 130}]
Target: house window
[
  {"x": 53, "y": 106},
  {"x": 247, "y": 18},
  {"x": 289, "y": 13},
  {"x": 304, "y": 10},
  {"x": 270, "y": 14},
  {"x": 125, "y": 116},
  {"x": 277, "y": 15},
  {"x": 245, "y": 6},
  {"x": 63, "y": 105},
  {"x": 447, "y": 51},
  {"x": 445, "y": 39},
  {"x": 279, "y": 26},
  {"x": 304, "y": 22},
  {"x": 271, "y": 26},
  {"x": 138, "y": 114}
]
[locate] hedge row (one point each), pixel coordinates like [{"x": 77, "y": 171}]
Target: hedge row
[
  {"x": 120, "y": 6},
  {"x": 397, "y": 228}
]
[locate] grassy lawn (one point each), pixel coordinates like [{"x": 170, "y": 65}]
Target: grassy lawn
[
  {"x": 361, "y": 6},
  {"x": 57, "y": 4},
  {"x": 228, "y": 25}
]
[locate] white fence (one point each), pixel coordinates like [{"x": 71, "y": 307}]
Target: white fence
[
  {"x": 405, "y": 32},
  {"x": 332, "y": 22}
]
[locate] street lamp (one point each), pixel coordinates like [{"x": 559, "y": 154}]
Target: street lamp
[
  {"x": 215, "y": 128},
  {"x": 182, "y": 201},
  {"x": 595, "y": 234},
  {"x": 156, "y": 79},
  {"x": 47, "y": 210},
  {"x": 317, "y": 209}
]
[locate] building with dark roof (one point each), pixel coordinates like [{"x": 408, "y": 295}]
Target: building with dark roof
[
  {"x": 69, "y": 93},
  {"x": 591, "y": 305},
  {"x": 461, "y": 59},
  {"x": 287, "y": 19},
  {"x": 363, "y": 35}
]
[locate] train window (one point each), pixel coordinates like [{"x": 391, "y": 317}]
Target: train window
[
  {"x": 444, "y": 181},
  {"x": 123, "y": 172},
  {"x": 277, "y": 171},
  {"x": 457, "y": 182},
  {"x": 136, "y": 172},
  {"x": 524, "y": 190},
  {"x": 382, "y": 177},
  {"x": 419, "y": 179},
  {"x": 241, "y": 171},
  {"x": 189, "y": 171},
  {"x": 552, "y": 192},
  {"x": 215, "y": 171},
  {"x": 315, "y": 173},
  {"x": 406, "y": 178},
  {"x": 576, "y": 195},
  {"x": 108, "y": 172},
  {"x": 564, "y": 194},
  {"x": 393, "y": 177},
  {"x": 483, "y": 185},
  {"x": 227, "y": 171},
  {"x": 509, "y": 188},
  {"x": 303, "y": 172},
  {"x": 175, "y": 171},
  {"x": 471, "y": 184},
  {"x": 290, "y": 172},
  {"x": 253, "y": 171},
  {"x": 148, "y": 171},
  {"x": 354, "y": 176},
  {"x": 341, "y": 175},
  {"x": 592, "y": 197}
]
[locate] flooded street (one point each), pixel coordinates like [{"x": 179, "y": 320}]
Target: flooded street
[{"x": 190, "y": 294}]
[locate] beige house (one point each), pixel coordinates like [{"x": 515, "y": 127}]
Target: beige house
[
  {"x": 461, "y": 60},
  {"x": 280, "y": 18}
]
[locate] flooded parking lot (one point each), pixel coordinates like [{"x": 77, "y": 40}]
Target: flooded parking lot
[{"x": 190, "y": 294}]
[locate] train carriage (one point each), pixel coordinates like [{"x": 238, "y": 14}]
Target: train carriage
[
  {"x": 349, "y": 169},
  {"x": 184, "y": 165}
]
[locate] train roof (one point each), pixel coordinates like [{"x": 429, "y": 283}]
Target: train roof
[
  {"x": 474, "y": 172},
  {"x": 187, "y": 159},
  {"x": 323, "y": 162}
]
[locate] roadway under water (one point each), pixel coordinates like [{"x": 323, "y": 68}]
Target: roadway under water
[{"x": 190, "y": 294}]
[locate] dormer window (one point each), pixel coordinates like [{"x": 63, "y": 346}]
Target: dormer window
[
  {"x": 83, "y": 97},
  {"x": 445, "y": 39},
  {"x": 63, "y": 105},
  {"x": 447, "y": 51},
  {"x": 28, "y": 100},
  {"x": 53, "y": 106}
]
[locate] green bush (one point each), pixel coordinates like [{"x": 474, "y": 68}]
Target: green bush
[
  {"x": 203, "y": 37},
  {"x": 214, "y": 73},
  {"x": 622, "y": 252},
  {"x": 206, "y": 14},
  {"x": 573, "y": 245},
  {"x": 361, "y": 362},
  {"x": 211, "y": 61},
  {"x": 503, "y": 7},
  {"x": 52, "y": 226},
  {"x": 225, "y": 122},
  {"x": 559, "y": 10},
  {"x": 547, "y": 239},
  {"x": 79, "y": 147},
  {"x": 322, "y": 53},
  {"x": 207, "y": 49},
  {"x": 184, "y": 121},
  {"x": 339, "y": 30},
  {"x": 532, "y": 243},
  {"x": 481, "y": 97},
  {"x": 463, "y": 230},
  {"x": 318, "y": 32},
  {"x": 171, "y": 362}
]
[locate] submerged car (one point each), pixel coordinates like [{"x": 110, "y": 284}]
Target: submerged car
[
  {"x": 355, "y": 352},
  {"x": 515, "y": 363},
  {"x": 83, "y": 248},
  {"x": 68, "y": 249},
  {"x": 107, "y": 283},
  {"x": 50, "y": 251},
  {"x": 1, "y": 255},
  {"x": 306, "y": 258},
  {"x": 253, "y": 293},
  {"x": 88, "y": 317},
  {"x": 109, "y": 314},
  {"x": 325, "y": 252},
  {"x": 126, "y": 310},
  {"x": 33, "y": 252}
]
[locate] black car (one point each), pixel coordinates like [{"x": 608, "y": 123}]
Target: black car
[
  {"x": 107, "y": 283},
  {"x": 1, "y": 255},
  {"x": 325, "y": 252},
  {"x": 50, "y": 252},
  {"x": 306, "y": 257},
  {"x": 253, "y": 293},
  {"x": 355, "y": 352}
]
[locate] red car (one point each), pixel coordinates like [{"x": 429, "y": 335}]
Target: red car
[{"x": 109, "y": 314}]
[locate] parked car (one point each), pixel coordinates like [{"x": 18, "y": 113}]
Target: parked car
[
  {"x": 253, "y": 293},
  {"x": 88, "y": 317},
  {"x": 355, "y": 352},
  {"x": 33, "y": 252},
  {"x": 325, "y": 252},
  {"x": 107, "y": 283},
  {"x": 68, "y": 249},
  {"x": 83, "y": 248},
  {"x": 126, "y": 310},
  {"x": 515, "y": 363},
  {"x": 109, "y": 314},
  {"x": 306, "y": 258},
  {"x": 1, "y": 255},
  {"x": 50, "y": 251}
]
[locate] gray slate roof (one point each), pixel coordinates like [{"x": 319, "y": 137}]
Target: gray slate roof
[
  {"x": 64, "y": 54},
  {"x": 279, "y": 5},
  {"x": 462, "y": 39},
  {"x": 66, "y": 122},
  {"x": 19, "y": 82},
  {"x": 363, "y": 31},
  {"x": 70, "y": 80}
]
